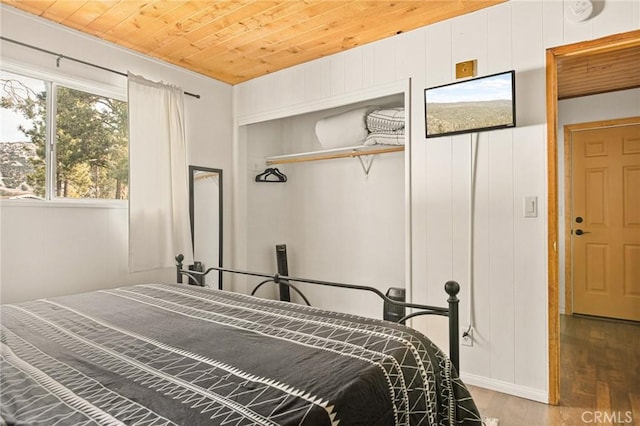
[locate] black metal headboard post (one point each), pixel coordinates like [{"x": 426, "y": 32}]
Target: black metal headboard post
[
  {"x": 179, "y": 271},
  {"x": 453, "y": 288}
]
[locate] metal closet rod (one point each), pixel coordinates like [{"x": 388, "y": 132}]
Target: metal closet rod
[{"x": 61, "y": 56}]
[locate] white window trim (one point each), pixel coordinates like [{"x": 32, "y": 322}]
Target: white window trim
[
  {"x": 98, "y": 88},
  {"x": 102, "y": 89},
  {"x": 86, "y": 203}
]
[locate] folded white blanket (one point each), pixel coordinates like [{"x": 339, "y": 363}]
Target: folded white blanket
[
  {"x": 394, "y": 137},
  {"x": 386, "y": 119},
  {"x": 346, "y": 129}
]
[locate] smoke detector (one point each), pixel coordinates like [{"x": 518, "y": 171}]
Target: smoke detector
[{"x": 578, "y": 10}]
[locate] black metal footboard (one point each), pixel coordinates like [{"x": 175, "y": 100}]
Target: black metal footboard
[{"x": 452, "y": 288}]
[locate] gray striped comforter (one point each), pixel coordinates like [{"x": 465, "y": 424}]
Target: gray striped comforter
[{"x": 183, "y": 355}]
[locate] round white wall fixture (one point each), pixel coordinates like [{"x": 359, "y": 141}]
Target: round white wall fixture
[{"x": 578, "y": 10}]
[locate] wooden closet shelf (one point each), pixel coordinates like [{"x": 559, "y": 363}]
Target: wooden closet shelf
[{"x": 352, "y": 151}]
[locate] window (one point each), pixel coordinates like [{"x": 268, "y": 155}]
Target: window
[{"x": 58, "y": 141}]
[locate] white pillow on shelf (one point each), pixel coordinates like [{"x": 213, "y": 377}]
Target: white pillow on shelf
[{"x": 345, "y": 129}]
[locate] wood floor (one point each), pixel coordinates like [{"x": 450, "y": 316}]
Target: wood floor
[{"x": 599, "y": 379}]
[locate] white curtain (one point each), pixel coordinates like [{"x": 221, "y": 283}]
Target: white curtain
[{"x": 158, "y": 181}]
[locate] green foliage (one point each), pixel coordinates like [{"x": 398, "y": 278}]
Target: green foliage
[{"x": 91, "y": 146}]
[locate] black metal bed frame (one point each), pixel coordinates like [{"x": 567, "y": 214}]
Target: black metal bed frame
[{"x": 452, "y": 288}]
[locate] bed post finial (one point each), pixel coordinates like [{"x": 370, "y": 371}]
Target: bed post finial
[
  {"x": 453, "y": 288},
  {"x": 179, "y": 259}
]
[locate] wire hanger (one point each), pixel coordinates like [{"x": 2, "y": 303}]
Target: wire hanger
[{"x": 272, "y": 174}]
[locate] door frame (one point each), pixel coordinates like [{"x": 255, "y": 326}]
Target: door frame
[{"x": 609, "y": 43}]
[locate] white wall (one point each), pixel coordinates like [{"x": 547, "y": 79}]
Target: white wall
[
  {"x": 508, "y": 304},
  {"x": 605, "y": 106},
  {"x": 57, "y": 248}
]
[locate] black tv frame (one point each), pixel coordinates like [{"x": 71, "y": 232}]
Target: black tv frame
[{"x": 473, "y": 129}]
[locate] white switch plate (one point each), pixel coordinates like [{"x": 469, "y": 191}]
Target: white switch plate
[{"x": 531, "y": 206}]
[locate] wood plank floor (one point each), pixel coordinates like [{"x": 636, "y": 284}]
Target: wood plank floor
[{"x": 599, "y": 379}]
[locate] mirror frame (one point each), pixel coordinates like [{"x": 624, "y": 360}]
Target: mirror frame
[{"x": 192, "y": 172}]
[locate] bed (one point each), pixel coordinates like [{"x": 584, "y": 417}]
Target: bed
[{"x": 177, "y": 354}]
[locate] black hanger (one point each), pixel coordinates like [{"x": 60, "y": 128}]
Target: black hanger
[{"x": 271, "y": 174}]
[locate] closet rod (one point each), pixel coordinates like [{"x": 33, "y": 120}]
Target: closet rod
[
  {"x": 354, "y": 153},
  {"x": 61, "y": 56}
]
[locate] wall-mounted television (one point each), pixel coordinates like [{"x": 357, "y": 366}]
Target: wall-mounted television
[{"x": 474, "y": 105}]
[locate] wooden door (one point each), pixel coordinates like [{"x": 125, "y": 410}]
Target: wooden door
[{"x": 605, "y": 219}]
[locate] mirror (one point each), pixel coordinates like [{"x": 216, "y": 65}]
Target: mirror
[{"x": 205, "y": 211}]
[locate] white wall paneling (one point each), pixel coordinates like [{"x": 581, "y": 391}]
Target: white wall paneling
[
  {"x": 385, "y": 60},
  {"x": 501, "y": 249},
  {"x": 510, "y": 270},
  {"x": 499, "y": 40},
  {"x": 469, "y": 40},
  {"x": 553, "y": 17},
  {"x": 337, "y": 74},
  {"x": 530, "y": 268},
  {"x": 64, "y": 247},
  {"x": 529, "y": 160},
  {"x": 353, "y": 75}
]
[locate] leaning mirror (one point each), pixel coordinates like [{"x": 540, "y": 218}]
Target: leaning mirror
[{"x": 205, "y": 210}]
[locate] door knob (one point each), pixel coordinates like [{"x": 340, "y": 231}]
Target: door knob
[{"x": 581, "y": 232}]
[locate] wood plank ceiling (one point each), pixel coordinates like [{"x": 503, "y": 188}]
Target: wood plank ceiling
[
  {"x": 236, "y": 40},
  {"x": 599, "y": 72}
]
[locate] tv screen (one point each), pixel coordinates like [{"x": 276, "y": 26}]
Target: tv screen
[{"x": 474, "y": 105}]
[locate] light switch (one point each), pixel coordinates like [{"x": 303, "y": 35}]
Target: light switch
[{"x": 531, "y": 206}]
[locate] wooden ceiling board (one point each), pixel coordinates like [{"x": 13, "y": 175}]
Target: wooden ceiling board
[
  {"x": 264, "y": 27},
  {"x": 599, "y": 72},
  {"x": 295, "y": 45},
  {"x": 173, "y": 41},
  {"x": 305, "y": 39},
  {"x": 243, "y": 53},
  {"x": 148, "y": 19},
  {"x": 269, "y": 38},
  {"x": 60, "y": 11},
  {"x": 236, "y": 40},
  {"x": 88, "y": 13},
  {"x": 168, "y": 27},
  {"x": 35, "y": 7},
  {"x": 117, "y": 14},
  {"x": 301, "y": 47},
  {"x": 194, "y": 39}
]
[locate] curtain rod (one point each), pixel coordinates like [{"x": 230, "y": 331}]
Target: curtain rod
[{"x": 61, "y": 56}]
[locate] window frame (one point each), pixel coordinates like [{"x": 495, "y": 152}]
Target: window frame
[{"x": 52, "y": 80}]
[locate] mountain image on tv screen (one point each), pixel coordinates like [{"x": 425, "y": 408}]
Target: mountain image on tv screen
[{"x": 473, "y": 105}]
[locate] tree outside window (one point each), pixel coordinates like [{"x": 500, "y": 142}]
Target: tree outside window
[{"x": 89, "y": 155}]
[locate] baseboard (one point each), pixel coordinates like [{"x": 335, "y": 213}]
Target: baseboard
[{"x": 506, "y": 387}]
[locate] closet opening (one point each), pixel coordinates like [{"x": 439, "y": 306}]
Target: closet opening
[{"x": 343, "y": 211}]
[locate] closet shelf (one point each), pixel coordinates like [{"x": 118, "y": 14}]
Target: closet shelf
[{"x": 349, "y": 151}]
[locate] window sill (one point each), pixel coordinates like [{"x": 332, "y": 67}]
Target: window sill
[{"x": 82, "y": 204}]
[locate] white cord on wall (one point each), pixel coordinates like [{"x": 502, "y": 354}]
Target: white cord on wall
[{"x": 473, "y": 146}]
